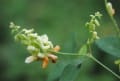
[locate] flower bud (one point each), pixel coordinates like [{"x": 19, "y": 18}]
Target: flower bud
[
  {"x": 44, "y": 38},
  {"x": 30, "y": 59},
  {"x": 53, "y": 58},
  {"x": 110, "y": 9},
  {"x": 11, "y": 25},
  {"x": 97, "y": 22},
  {"x": 40, "y": 55},
  {"x": 56, "y": 48},
  {"x": 31, "y": 48},
  {"x": 28, "y": 31},
  {"x": 95, "y": 35},
  {"x": 45, "y": 62},
  {"x": 33, "y": 35}
]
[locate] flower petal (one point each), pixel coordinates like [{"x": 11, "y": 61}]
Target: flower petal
[
  {"x": 45, "y": 62},
  {"x": 30, "y": 59}
]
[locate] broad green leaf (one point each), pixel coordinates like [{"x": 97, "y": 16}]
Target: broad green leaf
[
  {"x": 110, "y": 45},
  {"x": 56, "y": 71},
  {"x": 70, "y": 72},
  {"x": 83, "y": 50}
]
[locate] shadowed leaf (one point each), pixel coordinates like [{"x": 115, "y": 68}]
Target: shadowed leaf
[
  {"x": 70, "y": 72},
  {"x": 110, "y": 45}
]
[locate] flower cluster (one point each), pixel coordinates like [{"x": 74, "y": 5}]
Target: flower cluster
[
  {"x": 39, "y": 47},
  {"x": 91, "y": 25}
]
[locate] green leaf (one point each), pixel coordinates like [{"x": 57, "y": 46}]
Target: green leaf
[
  {"x": 83, "y": 50},
  {"x": 56, "y": 71},
  {"x": 110, "y": 45},
  {"x": 70, "y": 72}
]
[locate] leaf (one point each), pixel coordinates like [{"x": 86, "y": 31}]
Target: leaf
[
  {"x": 83, "y": 50},
  {"x": 57, "y": 69},
  {"x": 110, "y": 45},
  {"x": 70, "y": 72}
]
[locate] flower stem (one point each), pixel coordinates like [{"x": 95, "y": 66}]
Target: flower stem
[
  {"x": 61, "y": 53},
  {"x": 97, "y": 61},
  {"x": 114, "y": 21},
  {"x": 94, "y": 59},
  {"x": 116, "y": 26}
]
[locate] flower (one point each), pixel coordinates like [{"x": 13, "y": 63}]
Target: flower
[
  {"x": 43, "y": 57},
  {"x": 45, "y": 43},
  {"x": 31, "y": 48},
  {"x": 28, "y": 31},
  {"x": 45, "y": 62},
  {"x": 39, "y": 47},
  {"x": 56, "y": 48},
  {"x": 30, "y": 59},
  {"x": 44, "y": 38},
  {"x": 53, "y": 58}
]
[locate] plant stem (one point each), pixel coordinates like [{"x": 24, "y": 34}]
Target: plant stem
[
  {"x": 94, "y": 59},
  {"x": 114, "y": 21},
  {"x": 61, "y": 53},
  {"x": 97, "y": 61},
  {"x": 116, "y": 26}
]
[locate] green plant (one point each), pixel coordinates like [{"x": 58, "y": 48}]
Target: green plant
[{"x": 42, "y": 49}]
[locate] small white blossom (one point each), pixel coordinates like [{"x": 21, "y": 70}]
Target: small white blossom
[
  {"x": 38, "y": 38},
  {"x": 33, "y": 35},
  {"x": 45, "y": 47},
  {"x": 30, "y": 59},
  {"x": 44, "y": 38},
  {"x": 28, "y": 31},
  {"x": 12, "y": 25},
  {"x": 40, "y": 55},
  {"x": 50, "y": 43},
  {"x": 44, "y": 42},
  {"x": 31, "y": 48}
]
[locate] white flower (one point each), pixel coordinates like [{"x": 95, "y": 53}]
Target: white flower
[
  {"x": 46, "y": 45},
  {"x": 40, "y": 55},
  {"x": 44, "y": 42},
  {"x": 12, "y": 25},
  {"x": 50, "y": 44},
  {"x": 33, "y": 35},
  {"x": 31, "y": 48},
  {"x": 30, "y": 59},
  {"x": 28, "y": 31},
  {"x": 44, "y": 38},
  {"x": 38, "y": 39}
]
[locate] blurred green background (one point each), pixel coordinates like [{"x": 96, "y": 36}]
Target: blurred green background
[{"x": 63, "y": 21}]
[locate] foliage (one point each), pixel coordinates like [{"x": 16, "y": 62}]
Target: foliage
[{"x": 66, "y": 64}]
